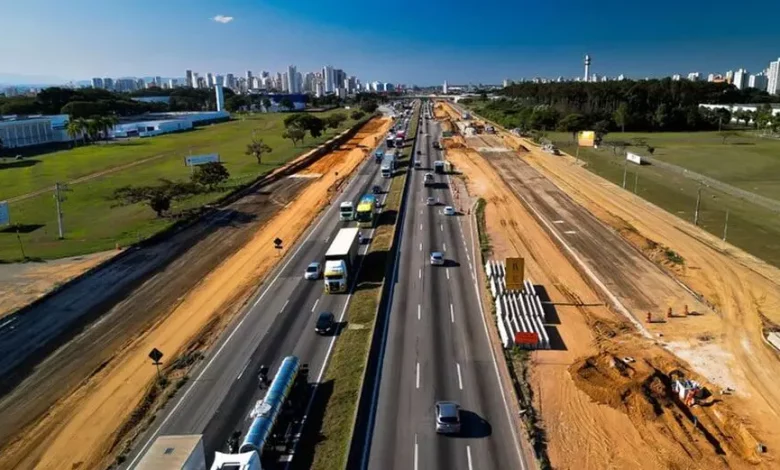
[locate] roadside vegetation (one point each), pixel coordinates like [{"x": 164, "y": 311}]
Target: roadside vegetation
[
  {"x": 484, "y": 238},
  {"x": 344, "y": 377},
  {"x": 97, "y": 218}
]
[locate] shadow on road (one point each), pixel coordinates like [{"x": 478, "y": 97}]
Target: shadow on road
[
  {"x": 312, "y": 432},
  {"x": 473, "y": 425}
]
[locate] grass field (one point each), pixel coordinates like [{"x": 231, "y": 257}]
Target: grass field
[
  {"x": 91, "y": 222},
  {"x": 750, "y": 227},
  {"x": 344, "y": 376},
  {"x": 745, "y": 160}
]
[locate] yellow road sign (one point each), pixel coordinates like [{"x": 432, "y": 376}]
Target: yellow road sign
[
  {"x": 586, "y": 139},
  {"x": 514, "y": 273}
]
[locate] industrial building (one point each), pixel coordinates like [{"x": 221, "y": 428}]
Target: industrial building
[
  {"x": 27, "y": 131},
  {"x": 164, "y": 123}
]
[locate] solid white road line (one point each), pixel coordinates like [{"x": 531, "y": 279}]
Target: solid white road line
[
  {"x": 419, "y": 309},
  {"x": 418, "y": 375},
  {"x": 468, "y": 456},
  {"x": 460, "y": 377},
  {"x": 420, "y": 226},
  {"x": 448, "y": 273},
  {"x": 419, "y": 274},
  {"x": 445, "y": 246},
  {"x": 420, "y": 246},
  {"x": 242, "y": 370},
  {"x": 284, "y": 306},
  {"x": 416, "y": 452},
  {"x": 452, "y": 314},
  {"x": 442, "y": 227},
  {"x": 315, "y": 305}
]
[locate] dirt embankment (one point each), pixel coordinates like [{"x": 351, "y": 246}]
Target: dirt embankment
[
  {"x": 598, "y": 411},
  {"x": 79, "y": 430}
]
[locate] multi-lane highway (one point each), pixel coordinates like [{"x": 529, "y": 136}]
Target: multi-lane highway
[
  {"x": 278, "y": 322},
  {"x": 436, "y": 347}
]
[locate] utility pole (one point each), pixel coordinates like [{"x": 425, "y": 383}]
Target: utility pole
[
  {"x": 58, "y": 198},
  {"x": 625, "y": 169},
  {"x": 726, "y": 226},
  {"x": 636, "y": 180},
  {"x": 698, "y": 202}
]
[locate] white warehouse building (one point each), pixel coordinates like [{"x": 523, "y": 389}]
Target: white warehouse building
[{"x": 26, "y": 131}]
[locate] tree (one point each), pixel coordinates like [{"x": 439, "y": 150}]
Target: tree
[
  {"x": 369, "y": 106},
  {"x": 725, "y": 135},
  {"x": 661, "y": 116},
  {"x": 621, "y": 116},
  {"x": 234, "y": 103},
  {"x": 357, "y": 115},
  {"x": 601, "y": 128},
  {"x": 335, "y": 120},
  {"x": 210, "y": 175},
  {"x": 724, "y": 116},
  {"x": 266, "y": 103},
  {"x": 294, "y": 133},
  {"x": 158, "y": 198},
  {"x": 287, "y": 103},
  {"x": 763, "y": 116},
  {"x": 572, "y": 123},
  {"x": 257, "y": 148}
]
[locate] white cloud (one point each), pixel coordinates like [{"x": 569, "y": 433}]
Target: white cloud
[{"x": 223, "y": 19}]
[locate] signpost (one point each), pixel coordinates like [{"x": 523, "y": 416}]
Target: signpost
[
  {"x": 195, "y": 160},
  {"x": 278, "y": 245},
  {"x": 155, "y": 355},
  {"x": 514, "y": 273}
]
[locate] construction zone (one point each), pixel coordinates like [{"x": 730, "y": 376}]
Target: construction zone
[
  {"x": 647, "y": 333},
  {"x": 83, "y": 406}
]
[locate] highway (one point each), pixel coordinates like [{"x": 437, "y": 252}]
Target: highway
[
  {"x": 279, "y": 321},
  {"x": 436, "y": 348}
]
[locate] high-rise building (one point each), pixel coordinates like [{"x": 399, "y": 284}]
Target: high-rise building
[
  {"x": 158, "y": 81},
  {"x": 676, "y": 77},
  {"x": 230, "y": 81},
  {"x": 249, "y": 83},
  {"x": 97, "y": 83},
  {"x": 740, "y": 79},
  {"x": 171, "y": 83},
  {"x": 220, "y": 98},
  {"x": 594, "y": 77},
  {"x": 196, "y": 80},
  {"x": 757, "y": 81},
  {"x": 328, "y": 79},
  {"x": 711, "y": 77},
  {"x": 201, "y": 82},
  {"x": 730, "y": 76},
  {"x": 291, "y": 79},
  {"x": 210, "y": 80},
  {"x": 108, "y": 83},
  {"x": 587, "y": 67},
  {"x": 773, "y": 78},
  {"x": 444, "y": 88},
  {"x": 139, "y": 84},
  {"x": 189, "y": 78},
  {"x": 318, "y": 89},
  {"x": 299, "y": 82},
  {"x": 694, "y": 76},
  {"x": 219, "y": 80}
]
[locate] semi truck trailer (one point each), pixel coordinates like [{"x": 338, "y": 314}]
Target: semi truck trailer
[
  {"x": 340, "y": 260},
  {"x": 389, "y": 164}
]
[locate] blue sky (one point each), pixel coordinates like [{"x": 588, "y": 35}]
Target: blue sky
[{"x": 398, "y": 41}]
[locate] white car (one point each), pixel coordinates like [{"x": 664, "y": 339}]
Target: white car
[
  {"x": 437, "y": 259},
  {"x": 449, "y": 210},
  {"x": 431, "y": 201},
  {"x": 313, "y": 271}
]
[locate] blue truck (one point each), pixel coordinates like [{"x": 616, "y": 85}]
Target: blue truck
[{"x": 378, "y": 155}]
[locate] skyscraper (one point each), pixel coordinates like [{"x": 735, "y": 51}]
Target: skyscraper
[
  {"x": 740, "y": 79},
  {"x": 249, "y": 83},
  {"x": 171, "y": 83},
  {"x": 298, "y": 82},
  {"x": 587, "y": 68},
  {"x": 210, "y": 80},
  {"x": 773, "y": 78},
  {"x": 730, "y": 76},
  {"x": 189, "y": 79},
  {"x": 444, "y": 88},
  {"x": 757, "y": 81},
  {"x": 97, "y": 83},
  {"x": 291, "y": 79},
  {"x": 220, "y": 98},
  {"x": 694, "y": 76},
  {"x": 108, "y": 83},
  {"x": 328, "y": 79},
  {"x": 230, "y": 81}
]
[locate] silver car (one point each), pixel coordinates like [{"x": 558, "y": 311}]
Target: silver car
[
  {"x": 437, "y": 259},
  {"x": 431, "y": 201},
  {"x": 449, "y": 210},
  {"x": 447, "y": 417},
  {"x": 313, "y": 271}
]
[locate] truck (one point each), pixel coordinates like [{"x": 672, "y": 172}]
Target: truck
[
  {"x": 346, "y": 211},
  {"x": 390, "y": 140},
  {"x": 175, "y": 452},
  {"x": 389, "y": 164},
  {"x": 378, "y": 155},
  {"x": 436, "y": 144},
  {"x": 439, "y": 166},
  {"x": 428, "y": 179},
  {"x": 340, "y": 260},
  {"x": 399, "y": 141}
]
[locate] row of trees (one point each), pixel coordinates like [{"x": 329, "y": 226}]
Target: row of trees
[
  {"x": 90, "y": 129},
  {"x": 647, "y": 105}
]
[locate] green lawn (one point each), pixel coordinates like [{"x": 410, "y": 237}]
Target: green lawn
[
  {"x": 750, "y": 227},
  {"x": 745, "y": 161},
  {"x": 91, "y": 223}
]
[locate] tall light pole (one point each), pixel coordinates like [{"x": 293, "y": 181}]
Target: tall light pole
[
  {"x": 59, "y": 188},
  {"x": 698, "y": 203},
  {"x": 726, "y": 226}
]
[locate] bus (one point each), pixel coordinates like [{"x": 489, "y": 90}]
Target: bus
[{"x": 366, "y": 211}]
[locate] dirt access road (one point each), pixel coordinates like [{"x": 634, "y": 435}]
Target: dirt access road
[
  {"x": 597, "y": 413},
  {"x": 80, "y": 424}
]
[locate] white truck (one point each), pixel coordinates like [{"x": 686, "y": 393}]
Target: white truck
[
  {"x": 340, "y": 260},
  {"x": 346, "y": 211},
  {"x": 178, "y": 452},
  {"x": 389, "y": 164}
]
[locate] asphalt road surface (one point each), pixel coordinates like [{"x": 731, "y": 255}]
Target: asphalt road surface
[
  {"x": 279, "y": 321},
  {"x": 437, "y": 348}
]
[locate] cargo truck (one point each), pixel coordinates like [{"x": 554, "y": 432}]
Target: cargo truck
[
  {"x": 178, "y": 452},
  {"x": 389, "y": 164},
  {"x": 346, "y": 211},
  {"x": 340, "y": 260},
  {"x": 390, "y": 140},
  {"x": 428, "y": 179},
  {"x": 378, "y": 155}
]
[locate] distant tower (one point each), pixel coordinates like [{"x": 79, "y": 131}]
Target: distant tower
[
  {"x": 444, "y": 88},
  {"x": 220, "y": 98},
  {"x": 587, "y": 68}
]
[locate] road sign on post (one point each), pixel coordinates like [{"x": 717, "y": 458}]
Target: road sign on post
[
  {"x": 195, "y": 160},
  {"x": 514, "y": 273},
  {"x": 155, "y": 355}
]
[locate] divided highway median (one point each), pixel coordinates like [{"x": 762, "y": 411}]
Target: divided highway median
[{"x": 335, "y": 410}]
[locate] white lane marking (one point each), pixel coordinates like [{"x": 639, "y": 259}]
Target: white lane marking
[
  {"x": 460, "y": 377},
  {"x": 468, "y": 456},
  {"x": 315, "y": 305},
  {"x": 452, "y": 314},
  {"x": 448, "y": 273},
  {"x": 420, "y": 226},
  {"x": 470, "y": 266},
  {"x": 242, "y": 370},
  {"x": 445, "y": 246},
  {"x": 442, "y": 227},
  {"x": 420, "y": 246},
  {"x": 284, "y": 306},
  {"x": 419, "y": 309},
  {"x": 570, "y": 232},
  {"x": 419, "y": 274},
  {"x": 418, "y": 375},
  {"x": 557, "y": 221},
  {"x": 416, "y": 452},
  {"x": 467, "y": 255}
]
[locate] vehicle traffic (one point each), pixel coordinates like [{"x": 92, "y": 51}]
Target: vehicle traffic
[
  {"x": 346, "y": 211},
  {"x": 340, "y": 260},
  {"x": 367, "y": 210},
  {"x": 313, "y": 271}
]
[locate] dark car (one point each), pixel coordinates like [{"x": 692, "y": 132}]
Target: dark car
[
  {"x": 376, "y": 189},
  {"x": 325, "y": 323}
]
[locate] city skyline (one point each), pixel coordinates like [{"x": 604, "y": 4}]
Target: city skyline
[{"x": 309, "y": 34}]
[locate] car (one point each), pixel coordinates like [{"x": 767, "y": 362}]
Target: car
[
  {"x": 376, "y": 189},
  {"x": 326, "y": 323},
  {"x": 437, "y": 258},
  {"x": 313, "y": 271},
  {"x": 417, "y": 164},
  {"x": 419, "y": 152},
  {"x": 431, "y": 201},
  {"x": 449, "y": 210},
  {"x": 447, "y": 417}
]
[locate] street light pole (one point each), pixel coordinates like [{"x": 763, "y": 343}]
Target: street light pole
[
  {"x": 58, "y": 201},
  {"x": 698, "y": 202},
  {"x": 625, "y": 170},
  {"x": 726, "y": 226}
]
